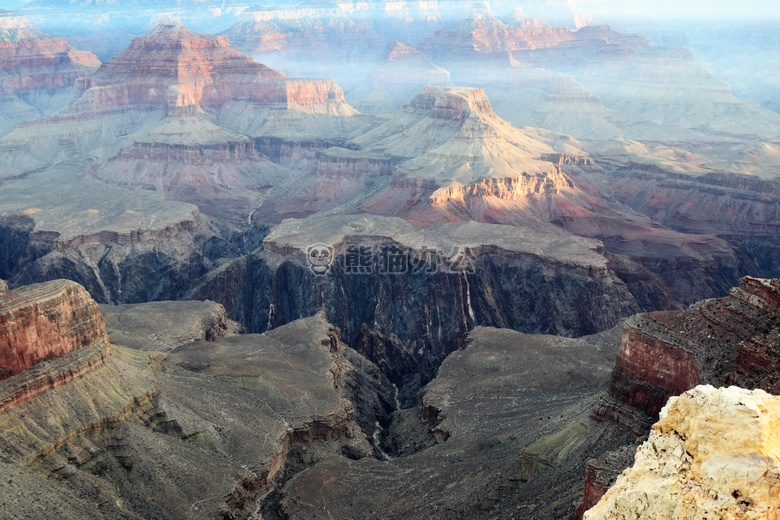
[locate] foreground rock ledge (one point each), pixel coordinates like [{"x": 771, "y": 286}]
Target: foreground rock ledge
[{"x": 714, "y": 454}]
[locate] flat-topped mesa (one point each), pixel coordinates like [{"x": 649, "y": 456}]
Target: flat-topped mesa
[
  {"x": 713, "y": 454},
  {"x": 30, "y": 60},
  {"x": 452, "y": 103}
]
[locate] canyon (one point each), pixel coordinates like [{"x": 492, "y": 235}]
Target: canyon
[{"x": 375, "y": 260}]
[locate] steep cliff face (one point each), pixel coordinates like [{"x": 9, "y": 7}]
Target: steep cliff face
[
  {"x": 439, "y": 294},
  {"x": 731, "y": 340},
  {"x": 712, "y": 454},
  {"x": 30, "y": 60},
  {"x": 204, "y": 68},
  {"x": 727, "y": 340},
  {"x": 50, "y": 334},
  {"x": 45, "y": 321}
]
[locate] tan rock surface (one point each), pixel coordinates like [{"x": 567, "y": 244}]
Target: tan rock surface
[{"x": 714, "y": 454}]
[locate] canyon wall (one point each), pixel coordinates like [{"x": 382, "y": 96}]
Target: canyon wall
[
  {"x": 725, "y": 341},
  {"x": 50, "y": 333}
]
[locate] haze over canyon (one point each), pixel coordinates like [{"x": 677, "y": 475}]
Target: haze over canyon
[{"x": 389, "y": 259}]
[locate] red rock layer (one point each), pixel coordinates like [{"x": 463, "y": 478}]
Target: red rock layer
[
  {"x": 47, "y": 64},
  {"x": 46, "y": 321},
  {"x": 203, "y": 71},
  {"x": 199, "y": 154},
  {"x": 725, "y": 341}
]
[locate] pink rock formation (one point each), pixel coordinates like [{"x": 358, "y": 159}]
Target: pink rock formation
[
  {"x": 482, "y": 35},
  {"x": 204, "y": 71},
  {"x": 30, "y": 60}
]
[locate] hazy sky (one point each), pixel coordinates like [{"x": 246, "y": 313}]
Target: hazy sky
[{"x": 724, "y": 10}]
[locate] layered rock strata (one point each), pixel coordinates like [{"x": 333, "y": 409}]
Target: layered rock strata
[
  {"x": 50, "y": 334},
  {"x": 725, "y": 341}
]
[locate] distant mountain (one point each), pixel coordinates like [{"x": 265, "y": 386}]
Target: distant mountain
[{"x": 37, "y": 72}]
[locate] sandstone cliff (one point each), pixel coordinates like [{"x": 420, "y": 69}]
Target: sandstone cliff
[
  {"x": 731, "y": 340},
  {"x": 37, "y": 72},
  {"x": 713, "y": 454},
  {"x": 45, "y": 321},
  {"x": 50, "y": 334}
]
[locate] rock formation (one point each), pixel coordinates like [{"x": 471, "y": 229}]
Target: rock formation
[
  {"x": 335, "y": 37},
  {"x": 46, "y": 321},
  {"x": 453, "y": 277},
  {"x": 37, "y": 72},
  {"x": 482, "y": 35},
  {"x": 712, "y": 454},
  {"x": 486, "y": 439},
  {"x": 50, "y": 334},
  {"x": 724, "y": 341},
  {"x": 165, "y": 325},
  {"x": 216, "y": 424}
]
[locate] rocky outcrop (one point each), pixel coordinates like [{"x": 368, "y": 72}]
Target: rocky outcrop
[
  {"x": 731, "y": 340},
  {"x": 481, "y": 35},
  {"x": 715, "y": 342},
  {"x": 453, "y": 277},
  {"x": 46, "y": 321},
  {"x": 3, "y": 285},
  {"x": 601, "y": 473},
  {"x": 165, "y": 325},
  {"x": 713, "y": 453},
  {"x": 202, "y": 69},
  {"x": 217, "y": 424},
  {"x": 50, "y": 334},
  {"x": 37, "y": 72}
]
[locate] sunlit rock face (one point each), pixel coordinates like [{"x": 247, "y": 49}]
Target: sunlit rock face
[
  {"x": 713, "y": 454},
  {"x": 724, "y": 341}
]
